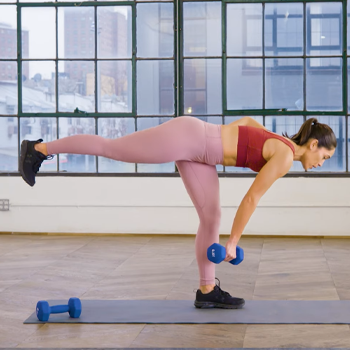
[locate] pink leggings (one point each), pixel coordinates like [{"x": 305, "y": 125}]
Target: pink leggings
[{"x": 196, "y": 148}]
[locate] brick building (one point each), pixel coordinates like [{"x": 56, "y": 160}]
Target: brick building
[
  {"x": 8, "y": 50},
  {"x": 79, "y": 42}
]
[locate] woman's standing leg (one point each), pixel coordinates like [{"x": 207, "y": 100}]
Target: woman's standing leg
[{"x": 202, "y": 184}]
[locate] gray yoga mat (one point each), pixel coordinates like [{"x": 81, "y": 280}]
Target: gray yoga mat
[{"x": 183, "y": 311}]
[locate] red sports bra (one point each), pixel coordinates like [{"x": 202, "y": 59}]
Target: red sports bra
[{"x": 250, "y": 145}]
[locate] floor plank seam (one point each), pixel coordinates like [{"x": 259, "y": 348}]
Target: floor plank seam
[
  {"x": 41, "y": 268},
  {"x": 114, "y": 270},
  {"x": 253, "y": 294},
  {"x": 72, "y": 252},
  {"x": 257, "y": 275},
  {"x": 330, "y": 271}
]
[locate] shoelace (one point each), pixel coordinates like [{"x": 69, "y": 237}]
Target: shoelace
[
  {"x": 39, "y": 158},
  {"x": 220, "y": 290},
  {"x": 37, "y": 164}
]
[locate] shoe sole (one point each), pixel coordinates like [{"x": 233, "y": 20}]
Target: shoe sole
[
  {"x": 210, "y": 305},
  {"x": 24, "y": 145}
]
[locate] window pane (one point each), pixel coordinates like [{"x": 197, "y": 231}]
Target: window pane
[
  {"x": 155, "y": 30},
  {"x": 324, "y": 84},
  {"x": 284, "y": 29},
  {"x": 284, "y": 83},
  {"x": 155, "y": 87},
  {"x": 8, "y": 87},
  {"x": 114, "y": 86},
  {"x": 114, "y": 32},
  {"x": 8, "y": 143},
  {"x": 202, "y": 28},
  {"x": 337, "y": 161},
  {"x": 40, "y": 128},
  {"x": 77, "y": 162},
  {"x": 146, "y": 123},
  {"x": 244, "y": 83},
  {"x": 244, "y": 29},
  {"x": 8, "y": 32},
  {"x": 289, "y": 125},
  {"x": 324, "y": 29},
  {"x": 76, "y": 86},
  {"x": 113, "y": 128},
  {"x": 39, "y": 91},
  {"x": 234, "y": 169},
  {"x": 202, "y": 86},
  {"x": 42, "y": 34},
  {"x": 76, "y": 32}
]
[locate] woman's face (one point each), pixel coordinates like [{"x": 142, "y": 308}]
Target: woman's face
[{"x": 315, "y": 156}]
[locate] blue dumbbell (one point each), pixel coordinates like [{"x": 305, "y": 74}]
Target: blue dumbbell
[
  {"x": 43, "y": 310},
  {"x": 217, "y": 253}
]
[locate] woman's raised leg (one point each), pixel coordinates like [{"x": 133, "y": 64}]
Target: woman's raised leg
[{"x": 180, "y": 138}]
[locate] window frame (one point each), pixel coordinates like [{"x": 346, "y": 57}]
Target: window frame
[{"x": 179, "y": 59}]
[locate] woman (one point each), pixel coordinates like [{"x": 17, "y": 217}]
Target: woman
[{"x": 197, "y": 147}]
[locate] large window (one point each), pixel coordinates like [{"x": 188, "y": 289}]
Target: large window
[
  {"x": 114, "y": 67},
  {"x": 286, "y": 65}
]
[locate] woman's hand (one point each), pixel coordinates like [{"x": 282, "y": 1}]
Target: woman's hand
[{"x": 230, "y": 250}]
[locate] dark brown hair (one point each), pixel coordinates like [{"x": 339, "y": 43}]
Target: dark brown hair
[{"x": 312, "y": 129}]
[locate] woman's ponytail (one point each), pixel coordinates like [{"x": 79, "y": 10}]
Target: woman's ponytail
[{"x": 312, "y": 129}]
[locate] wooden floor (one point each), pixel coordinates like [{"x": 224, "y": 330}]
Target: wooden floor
[{"x": 36, "y": 268}]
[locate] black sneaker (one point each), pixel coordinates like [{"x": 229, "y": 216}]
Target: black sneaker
[
  {"x": 30, "y": 161},
  {"x": 217, "y": 298}
]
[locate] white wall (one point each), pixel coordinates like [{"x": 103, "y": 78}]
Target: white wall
[{"x": 296, "y": 206}]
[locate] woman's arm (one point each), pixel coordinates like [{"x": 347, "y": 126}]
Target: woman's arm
[{"x": 276, "y": 167}]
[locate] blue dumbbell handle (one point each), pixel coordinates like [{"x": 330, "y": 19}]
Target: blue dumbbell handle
[
  {"x": 221, "y": 250},
  {"x": 58, "y": 309},
  {"x": 238, "y": 251}
]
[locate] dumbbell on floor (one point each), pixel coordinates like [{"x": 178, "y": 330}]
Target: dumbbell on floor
[
  {"x": 217, "y": 253},
  {"x": 43, "y": 310}
]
